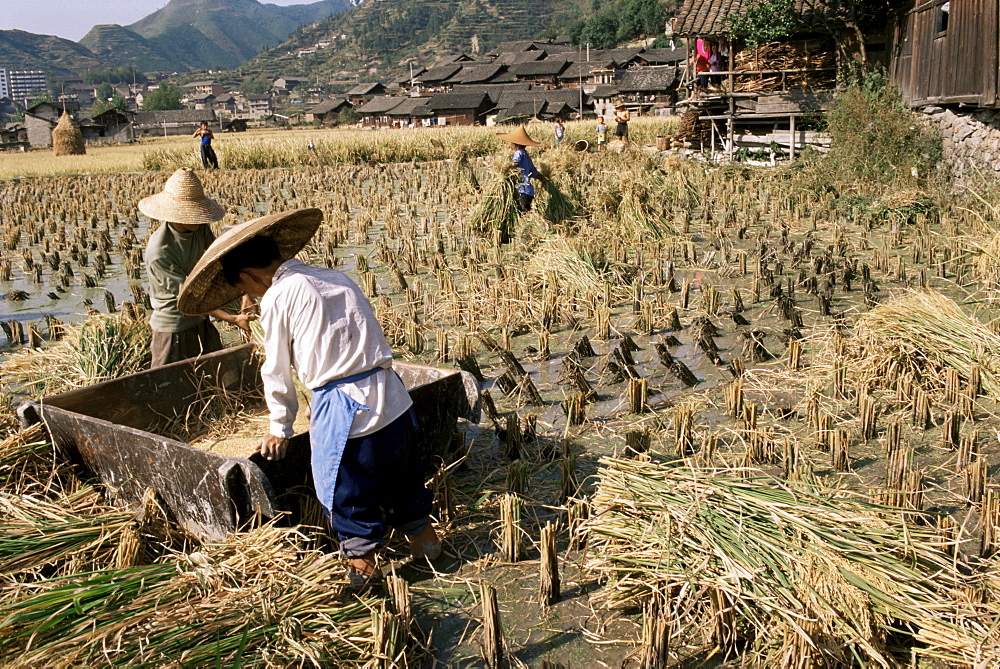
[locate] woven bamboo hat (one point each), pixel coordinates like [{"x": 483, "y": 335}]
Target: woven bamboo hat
[
  {"x": 206, "y": 288},
  {"x": 518, "y": 136},
  {"x": 182, "y": 200}
]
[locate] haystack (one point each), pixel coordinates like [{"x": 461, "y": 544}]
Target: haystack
[{"x": 67, "y": 140}]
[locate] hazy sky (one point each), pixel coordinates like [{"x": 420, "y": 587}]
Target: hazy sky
[{"x": 72, "y": 19}]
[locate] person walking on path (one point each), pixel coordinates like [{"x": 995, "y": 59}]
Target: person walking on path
[
  {"x": 525, "y": 190},
  {"x": 171, "y": 252},
  {"x": 365, "y": 466},
  {"x": 208, "y": 156},
  {"x": 622, "y": 117},
  {"x": 602, "y": 133},
  {"x": 560, "y": 130}
]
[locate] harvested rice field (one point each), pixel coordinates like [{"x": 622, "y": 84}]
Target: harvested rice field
[{"x": 732, "y": 416}]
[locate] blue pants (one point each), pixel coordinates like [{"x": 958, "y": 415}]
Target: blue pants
[{"x": 380, "y": 483}]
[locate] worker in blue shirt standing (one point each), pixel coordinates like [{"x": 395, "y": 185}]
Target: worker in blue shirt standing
[
  {"x": 207, "y": 152},
  {"x": 525, "y": 190}
]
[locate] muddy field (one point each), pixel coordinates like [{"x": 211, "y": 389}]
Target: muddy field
[{"x": 657, "y": 309}]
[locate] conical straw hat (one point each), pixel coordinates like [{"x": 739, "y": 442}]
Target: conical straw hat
[
  {"x": 518, "y": 136},
  {"x": 206, "y": 288},
  {"x": 182, "y": 200}
]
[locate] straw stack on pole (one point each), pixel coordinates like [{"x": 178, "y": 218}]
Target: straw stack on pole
[{"x": 67, "y": 140}]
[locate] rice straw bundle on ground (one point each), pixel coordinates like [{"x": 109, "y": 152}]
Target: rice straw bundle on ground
[
  {"x": 28, "y": 462},
  {"x": 799, "y": 576},
  {"x": 257, "y": 600},
  {"x": 922, "y": 334},
  {"x": 558, "y": 206},
  {"x": 555, "y": 257},
  {"x": 987, "y": 268},
  {"x": 76, "y": 532},
  {"x": 635, "y": 213},
  {"x": 104, "y": 347},
  {"x": 67, "y": 140},
  {"x": 496, "y": 211}
]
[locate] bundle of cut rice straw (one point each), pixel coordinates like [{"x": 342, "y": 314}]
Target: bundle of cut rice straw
[
  {"x": 920, "y": 334},
  {"x": 258, "y": 600},
  {"x": 799, "y": 577}
]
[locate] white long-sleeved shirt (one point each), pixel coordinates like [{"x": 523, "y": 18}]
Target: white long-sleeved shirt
[{"x": 320, "y": 322}]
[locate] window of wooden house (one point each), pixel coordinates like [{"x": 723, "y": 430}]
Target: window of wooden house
[{"x": 941, "y": 19}]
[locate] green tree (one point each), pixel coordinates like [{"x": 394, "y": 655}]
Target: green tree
[
  {"x": 255, "y": 85},
  {"x": 601, "y": 31},
  {"x": 115, "y": 75},
  {"x": 104, "y": 91},
  {"x": 764, "y": 21},
  {"x": 40, "y": 99},
  {"x": 116, "y": 102},
  {"x": 164, "y": 97},
  {"x": 641, "y": 17},
  {"x": 349, "y": 116}
]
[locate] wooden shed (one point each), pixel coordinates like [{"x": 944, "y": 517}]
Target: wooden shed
[{"x": 946, "y": 52}]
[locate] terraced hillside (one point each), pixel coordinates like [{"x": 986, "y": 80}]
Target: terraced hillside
[
  {"x": 20, "y": 50},
  {"x": 380, "y": 37}
]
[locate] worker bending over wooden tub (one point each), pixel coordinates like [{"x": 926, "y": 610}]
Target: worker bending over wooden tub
[{"x": 367, "y": 473}]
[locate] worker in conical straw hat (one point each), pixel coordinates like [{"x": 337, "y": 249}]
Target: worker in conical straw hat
[
  {"x": 172, "y": 251},
  {"x": 361, "y": 430},
  {"x": 525, "y": 190}
]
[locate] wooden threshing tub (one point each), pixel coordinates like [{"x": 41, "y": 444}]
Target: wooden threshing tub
[{"x": 114, "y": 429}]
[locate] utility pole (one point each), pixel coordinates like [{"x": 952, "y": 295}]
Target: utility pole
[{"x": 579, "y": 72}]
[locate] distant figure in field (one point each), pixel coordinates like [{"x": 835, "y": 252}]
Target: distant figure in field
[
  {"x": 207, "y": 152},
  {"x": 560, "y": 130},
  {"x": 602, "y": 133},
  {"x": 525, "y": 190},
  {"x": 622, "y": 117}
]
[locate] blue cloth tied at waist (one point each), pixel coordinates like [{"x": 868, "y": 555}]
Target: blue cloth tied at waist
[{"x": 329, "y": 428}]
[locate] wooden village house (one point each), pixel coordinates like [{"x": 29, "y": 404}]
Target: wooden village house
[
  {"x": 758, "y": 95},
  {"x": 944, "y": 59},
  {"x": 460, "y": 108},
  {"x": 327, "y": 112},
  {"x": 41, "y": 118},
  {"x": 171, "y": 122},
  {"x": 945, "y": 53}
]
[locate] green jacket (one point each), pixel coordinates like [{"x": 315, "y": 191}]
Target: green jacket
[{"x": 170, "y": 256}]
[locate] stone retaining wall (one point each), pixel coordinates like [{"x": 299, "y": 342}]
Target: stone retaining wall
[{"x": 971, "y": 137}]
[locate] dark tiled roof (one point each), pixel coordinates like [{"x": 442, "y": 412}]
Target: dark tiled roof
[
  {"x": 508, "y": 99},
  {"x": 367, "y": 88},
  {"x": 405, "y": 81},
  {"x": 518, "y": 45},
  {"x": 382, "y": 104},
  {"x": 603, "y": 91},
  {"x": 577, "y": 71},
  {"x": 540, "y": 68},
  {"x": 707, "y": 17},
  {"x": 612, "y": 57},
  {"x": 663, "y": 56},
  {"x": 411, "y": 107},
  {"x": 327, "y": 106},
  {"x": 183, "y": 116},
  {"x": 654, "y": 78},
  {"x": 439, "y": 74},
  {"x": 478, "y": 74},
  {"x": 457, "y": 58},
  {"x": 492, "y": 90},
  {"x": 454, "y": 101},
  {"x": 524, "y": 109},
  {"x": 511, "y": 57}
]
